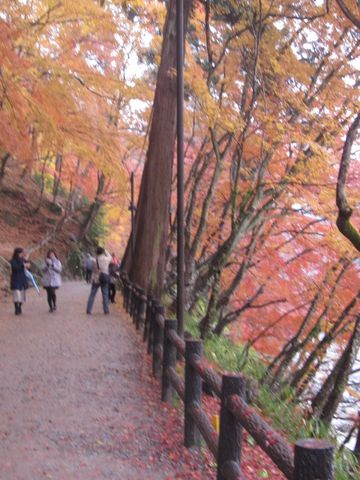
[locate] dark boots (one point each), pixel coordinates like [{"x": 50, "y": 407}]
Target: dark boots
[{"x": 18, "y": 308}]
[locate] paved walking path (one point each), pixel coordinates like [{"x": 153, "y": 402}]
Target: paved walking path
[{"x": 76, "y": 398}]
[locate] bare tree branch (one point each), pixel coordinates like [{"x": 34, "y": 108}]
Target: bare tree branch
[
  {"x": 345, "y": 211},
  {"x": 348, "y": 13}
]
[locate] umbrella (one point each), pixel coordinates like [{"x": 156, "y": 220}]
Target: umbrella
[{"x": 30, "y": 276}]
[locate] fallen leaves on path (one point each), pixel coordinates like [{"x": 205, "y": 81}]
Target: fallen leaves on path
[{"x": 167, "y": 432}]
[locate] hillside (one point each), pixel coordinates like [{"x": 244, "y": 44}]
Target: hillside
[{"x": 36, "y": 230}]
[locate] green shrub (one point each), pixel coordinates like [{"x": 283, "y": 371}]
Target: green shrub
[
  {"x": 75, "y": 262},
  {"x": 99, "y": 229},
  {"x": 347, "y": 466}
]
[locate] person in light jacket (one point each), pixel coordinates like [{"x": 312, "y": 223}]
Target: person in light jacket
[
  {"x": 18, "y": 281},
  {"x": 101, "y": 279},
  {"x": 51, "y": 278}
]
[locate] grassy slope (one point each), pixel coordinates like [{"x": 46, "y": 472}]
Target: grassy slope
[{"x": 286, "y": 417}]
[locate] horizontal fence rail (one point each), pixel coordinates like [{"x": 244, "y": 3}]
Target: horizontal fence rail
[{"x": 307, "y": 459}]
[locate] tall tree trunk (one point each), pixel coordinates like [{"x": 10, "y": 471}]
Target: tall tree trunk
[
  {"x": 42, "y": 189},
  {"x": 95, "y": 207},
  {"x": 3, "y": 162},
  {"x": 57, "y": 176},
  {"x": 75, "y": 190},
  {"x": 147, "y": 268},
  {"x": 208, "y": 319}
]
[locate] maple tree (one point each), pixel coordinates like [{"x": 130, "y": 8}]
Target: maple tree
[
  {"x": 63, "y": 88},
  {"x": 261, "y": 188}
]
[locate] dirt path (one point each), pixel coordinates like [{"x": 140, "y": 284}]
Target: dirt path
[{"x": 76, "y": 398}]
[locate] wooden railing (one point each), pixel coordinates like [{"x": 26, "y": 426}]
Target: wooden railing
[{"x": 308, "y": 459}]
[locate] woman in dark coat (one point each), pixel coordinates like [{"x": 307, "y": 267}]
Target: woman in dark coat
[{"x": 18, "y": 282}]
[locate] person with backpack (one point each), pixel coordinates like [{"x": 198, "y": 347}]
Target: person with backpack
[
  {"x": 18, "y": 280},
  {"x": 51, "y": 278},
  {"x": 88, "y": 267},
  {"x": 101, "y": 279}
]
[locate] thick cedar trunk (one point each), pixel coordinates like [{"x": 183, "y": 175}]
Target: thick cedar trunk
[{"x": 147, "y": 268}]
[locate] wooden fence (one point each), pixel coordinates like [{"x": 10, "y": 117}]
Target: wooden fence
[{"x": 308, "y": 459}]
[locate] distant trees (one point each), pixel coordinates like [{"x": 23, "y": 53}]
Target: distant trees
[{"x": 63, "y": 91}]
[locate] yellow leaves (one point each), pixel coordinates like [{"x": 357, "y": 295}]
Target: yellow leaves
[
  {"x": 213, "y": 111},
  {"x": 58, "y": 83},
  {"x": 199, "y": 88}
]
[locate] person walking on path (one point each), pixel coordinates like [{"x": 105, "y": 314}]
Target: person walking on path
[
  {"x": 88, "y": 267},
  {"x": 18, "y": 280},
  {"x": 101, "y": 279},
  {"x": 114, "y": 275},
  {"x": 51, "y": 278}
]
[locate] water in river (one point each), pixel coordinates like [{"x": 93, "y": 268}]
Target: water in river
[{"x": 350, "y": 406}]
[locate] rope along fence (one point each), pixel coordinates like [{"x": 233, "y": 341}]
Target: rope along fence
[{"x": 308, "y": 459}]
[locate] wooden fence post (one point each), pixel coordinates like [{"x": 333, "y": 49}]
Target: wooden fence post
[
  {"x": 128, "y": 295},
  {"x": 136, "y": 305},
  {"x": 158, "y": 340},
  {"x": 313, "y": 460},
  {"x": 147, "y": 318},
  {"x": 140, "y": 313},
  {"x": 128, "y": 303},
  {"x": 125, "y": 293},
  {"x": 137, "y": 308},
  {"x": 230, "y": 437},
  {"x": 193, "y": 390},
  {"x": 169, "y": 360},
  {"x": 133, "y": 299},
  {"x": 151, "y": 327}
]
